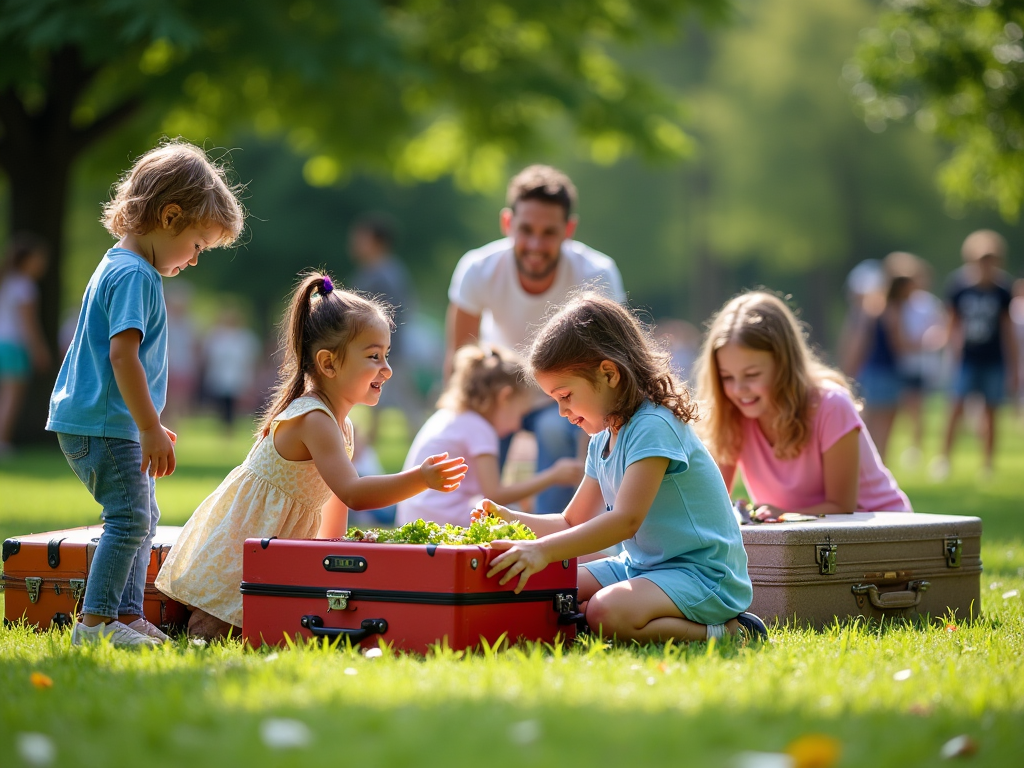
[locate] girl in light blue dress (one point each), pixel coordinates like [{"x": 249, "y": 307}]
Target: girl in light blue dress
[{"x": 650, "y": 485}]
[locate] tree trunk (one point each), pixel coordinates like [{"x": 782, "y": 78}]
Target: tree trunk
[{"x": 37, "y": 150}]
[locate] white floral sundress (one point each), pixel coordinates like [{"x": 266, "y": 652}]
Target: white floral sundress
[{"x": 266, "y": 496}]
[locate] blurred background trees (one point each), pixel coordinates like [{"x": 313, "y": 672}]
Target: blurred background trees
[{"x": 714, "y": 147}]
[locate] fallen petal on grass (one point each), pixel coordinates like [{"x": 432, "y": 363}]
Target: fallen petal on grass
[
  {"x": 814, "y": 750},
  {"x": 373, "y": 653},
  {"x": 351, "y": 671},
  {"x": 271, "y": 657},
  {"x": 283, "y": 733},
  {"x": 36, "y": 748},
  {"x": 1012, "y": 593},
  {"x": 39, "y": 680},
  {"x": 903, "y": 674},
  {"x": 763, "y": 760},
  {"x": 959, "y": 746},
  {"x": 525, "y": 732}
]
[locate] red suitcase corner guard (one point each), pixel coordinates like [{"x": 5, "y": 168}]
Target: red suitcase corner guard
[{"x": 409, "y": 595}]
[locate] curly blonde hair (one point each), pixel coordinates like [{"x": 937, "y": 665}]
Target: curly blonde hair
[
  {"x": 479, "y": 372},
  {"x": 179, "y": 173},
  {"x": 762, "y": 321}
]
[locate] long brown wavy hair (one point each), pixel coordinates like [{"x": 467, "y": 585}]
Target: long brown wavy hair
[
  {"x": 763, "y": 321},
  {"x": 592, "y": 328},
  {"x": 317, "y": 318}
]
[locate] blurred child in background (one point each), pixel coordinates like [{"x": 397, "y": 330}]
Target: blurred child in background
[{"x": 486, "y": 399}]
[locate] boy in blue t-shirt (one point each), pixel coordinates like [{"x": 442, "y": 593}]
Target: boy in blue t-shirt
[
  {"x": 981, "y": 333},
  {"x": 106, "y": 403}
]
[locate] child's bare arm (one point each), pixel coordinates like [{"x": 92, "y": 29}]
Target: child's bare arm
[
  {"x": 562, "y": 472},
  {"x": 156, "y": 441},
  {"x": 36, "y": 341},
  {"x": 841, "y": 472},
  {"x": 321, "y": 437},
  {"x": 334, "y": 519},
  {"x": 640, "y": 484}
]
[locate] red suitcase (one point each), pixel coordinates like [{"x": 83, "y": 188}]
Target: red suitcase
[
  {"x": 45, "y": 575},
  {"x": 877, "y": 565},
  {"x": 409, "y": 595}
]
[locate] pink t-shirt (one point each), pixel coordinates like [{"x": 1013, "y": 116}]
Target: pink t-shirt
[
  {"x": 460, "y": 433},
  {"x": 795, "y": 484}
]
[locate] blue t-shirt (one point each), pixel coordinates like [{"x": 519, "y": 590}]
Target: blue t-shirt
[
  {"x": 690, "y": 524},
  {"x": 124, "y": 292}
]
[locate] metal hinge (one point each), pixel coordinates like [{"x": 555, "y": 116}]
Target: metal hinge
[
  {"x": 825, "y": 555},
  {"x": 565, "y": 604},
  {"x": 32, "y": 586},
  {"x": 954, "y": 548},
  {"x": 337, "y": 599},
  {"x": 78, "y": 589}
]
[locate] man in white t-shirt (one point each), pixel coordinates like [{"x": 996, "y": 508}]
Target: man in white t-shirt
[{"x": 501, "y": 292}]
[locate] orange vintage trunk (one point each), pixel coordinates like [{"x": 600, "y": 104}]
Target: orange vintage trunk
[{"x": 45, "y": 575}]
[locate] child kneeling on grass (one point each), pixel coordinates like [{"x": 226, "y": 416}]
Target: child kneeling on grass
[
  {"x": 485, "y": 401},
  {"x": 650, "y": 484},
  {"x": 336, "y": 345},
  {"x": 785, "y": 419}
]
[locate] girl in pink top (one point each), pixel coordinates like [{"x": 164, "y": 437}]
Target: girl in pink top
[{"x": 784, "y": 419}]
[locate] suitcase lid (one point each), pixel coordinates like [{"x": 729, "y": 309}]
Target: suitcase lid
[
  {"x": 863, "y": 527},
  {"x": 72, "y": 547}
]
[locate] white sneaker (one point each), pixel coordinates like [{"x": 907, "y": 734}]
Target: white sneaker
[
  {"x": 144, "y": 627},
  {"x": 120, "y": 635}
]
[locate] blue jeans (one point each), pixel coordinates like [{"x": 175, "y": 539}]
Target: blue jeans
[
  {"x": 556, "y": 439},
  {"x": 109, "y": 468}
]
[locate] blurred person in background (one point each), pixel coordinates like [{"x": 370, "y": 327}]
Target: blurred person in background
[
  {"x": 875, "y": 358},
  {"x": 380, "y": 273},
  {"x": 682, "y": 339},
  {"x": 502, "y": 291},
  {"x": 183, "y": 352},
  {"x": 865, "y": 283},
  {"x": 230, "y": 354},
  {"x": 22, "y": 345},
  {"x": 981, "y": 337},
  {"x": 923, "y": 319},
  {"x": 1017, "y": 316}
]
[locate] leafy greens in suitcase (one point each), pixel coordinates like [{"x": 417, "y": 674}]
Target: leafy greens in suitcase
[{"x": 481, "y": 531}]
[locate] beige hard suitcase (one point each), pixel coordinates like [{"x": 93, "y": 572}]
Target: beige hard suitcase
[{"x": 873, "y": 564}]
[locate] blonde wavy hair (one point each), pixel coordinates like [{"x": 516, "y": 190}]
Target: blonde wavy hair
[
  {"x": 179, "y": 173},
  {"x": 479, "y": 372},
  {"x": 762, "y": 321}
]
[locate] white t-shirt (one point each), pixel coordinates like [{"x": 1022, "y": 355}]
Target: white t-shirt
[
  {"x": 16, "y": 291},
  {"x": 485, "y": 283},
  {"x": 920, "y": 312},
  {"x": 460, "y": 433},
  {"x": 231, "y": 355}
]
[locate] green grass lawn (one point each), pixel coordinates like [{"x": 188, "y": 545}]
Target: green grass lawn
[{"x": 890, "y": 696}]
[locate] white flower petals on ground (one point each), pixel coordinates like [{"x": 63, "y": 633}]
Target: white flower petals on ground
[
  {"x": 36, "y": 748},
  {"x": 525, "y": 732},
  {"x": 1011, "y": 593},
  {"x": 351, "y": 671},
  {"x": 903, "y": 674},
  {"x": 959, "y": 746},
  {"x": 763, "y": 760},
  {"x": 271, "y": 657},
  {"x": 282, "y": 733},
  {"x": 373, "y": 653}
]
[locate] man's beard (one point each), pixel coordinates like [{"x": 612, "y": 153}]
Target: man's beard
[{"x": 546, "y": 272}]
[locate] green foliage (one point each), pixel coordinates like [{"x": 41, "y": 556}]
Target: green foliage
[
  {"x": 420, "y": 531},
  {"x": 423, "y": 88},
  {"x": 955, "y": 68}
]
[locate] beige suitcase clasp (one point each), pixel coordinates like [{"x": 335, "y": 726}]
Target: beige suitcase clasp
[{"x": 888, "y": 601}]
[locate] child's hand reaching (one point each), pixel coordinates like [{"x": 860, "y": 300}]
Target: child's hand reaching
[
  {"x": 520, "y": 558},
  {"x": 767, "y": 512},
  {"x": 443, "y": 474},
  {"x": 567, "y": 471},
  {"x": 488, "y": 507},
  {"x": 157, "y": 450}
]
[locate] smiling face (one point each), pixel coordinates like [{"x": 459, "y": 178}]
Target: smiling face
[
  {"x": 537, "y": 229},
  {"x": 584, "y": 403},
  {"x": 747, "y": 376},
  {"x": 174, "y": 253},
  {"x": 359, "y": 378}
]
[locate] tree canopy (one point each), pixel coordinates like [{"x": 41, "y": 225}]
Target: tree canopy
[{"x": 956, "y": 68}]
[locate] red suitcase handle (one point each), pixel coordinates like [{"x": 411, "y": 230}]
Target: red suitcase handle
[{"x": 368, "y": 627}]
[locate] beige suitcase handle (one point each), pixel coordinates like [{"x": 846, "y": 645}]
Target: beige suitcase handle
[{"x": 887, "y": 601}]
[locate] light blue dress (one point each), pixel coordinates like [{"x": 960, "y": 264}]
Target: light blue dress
[{"x": 689, "y": 544}]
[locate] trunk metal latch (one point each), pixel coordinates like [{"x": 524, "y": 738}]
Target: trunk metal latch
[
  {"x": 78, "y": 589},
  {"x": 32, "y": 585},
  {"x": 337, "y": 599},
  {"x": 826, "y": 556},
  {"x": 954, "y": 547}
]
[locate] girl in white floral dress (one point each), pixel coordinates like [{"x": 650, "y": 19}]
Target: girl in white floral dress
[{"x": 336, "y": 345}]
